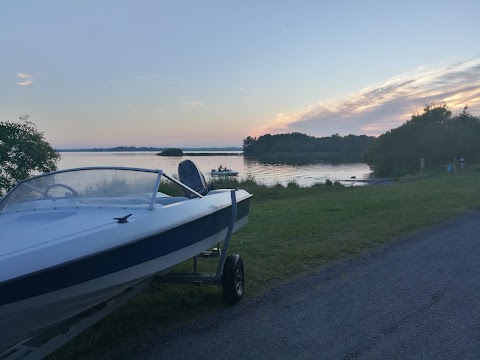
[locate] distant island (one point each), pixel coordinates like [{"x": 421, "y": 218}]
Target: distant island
[
  {"x": 297, "y": 147},
  {"x": 134, "y": 148}
]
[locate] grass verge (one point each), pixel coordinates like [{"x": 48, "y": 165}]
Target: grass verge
[{"x": 292, "y": 230}]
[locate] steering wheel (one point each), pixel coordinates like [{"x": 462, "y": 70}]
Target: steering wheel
[{"x": 47, "y": 196}]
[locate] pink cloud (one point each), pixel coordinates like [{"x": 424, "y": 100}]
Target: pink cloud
[{"x": 381, "y": 107}]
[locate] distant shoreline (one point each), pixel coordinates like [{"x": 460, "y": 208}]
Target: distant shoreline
[{"x": 131, "y": 148}]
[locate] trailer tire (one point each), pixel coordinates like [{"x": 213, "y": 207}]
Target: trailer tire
[{"x": 233, "y": 280}]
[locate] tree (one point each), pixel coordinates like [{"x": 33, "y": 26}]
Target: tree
[
  {"x": 23, "y": 152},
  {"x": 435, "y": 135},
  {"x": 248, "y": 145}
]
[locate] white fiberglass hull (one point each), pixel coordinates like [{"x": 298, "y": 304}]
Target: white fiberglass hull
[{"x": 77, "y": 269}]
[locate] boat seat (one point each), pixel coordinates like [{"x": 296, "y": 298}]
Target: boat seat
[{"x": 191, "y": 176}]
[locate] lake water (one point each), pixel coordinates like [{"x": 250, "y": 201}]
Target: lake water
[{"x": 268, "y": 174}]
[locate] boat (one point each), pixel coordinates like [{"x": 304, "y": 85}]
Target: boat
[
  {"x": 224, "y": 172},
  {"x": 73, "y": 238}
]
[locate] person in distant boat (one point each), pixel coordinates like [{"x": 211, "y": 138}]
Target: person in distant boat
[
  {"x": 220, "y": 168},
  {"x": 449, "y": 168}
]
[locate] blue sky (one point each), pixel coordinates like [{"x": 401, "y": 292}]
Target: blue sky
[{"x": 210, "y": 73}]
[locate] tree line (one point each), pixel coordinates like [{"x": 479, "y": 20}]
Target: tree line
[
  {"x": 302, "y": 143},
  {"x": 436, "y": 135}
]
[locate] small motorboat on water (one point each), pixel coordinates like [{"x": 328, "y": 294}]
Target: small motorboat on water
[
  {"x": 223, "y": 172},
  {"x": 73, "y": 238}
]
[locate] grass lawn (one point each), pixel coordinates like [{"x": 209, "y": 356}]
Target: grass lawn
[{"x": 292, "y": 230}]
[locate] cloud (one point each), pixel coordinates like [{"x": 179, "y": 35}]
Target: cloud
[
  {"x": 381, "y": 107},
  {"x": 27, "y": 82},
  {"x": 24, "y": 76},
  {"x": 198, "y": 104}
]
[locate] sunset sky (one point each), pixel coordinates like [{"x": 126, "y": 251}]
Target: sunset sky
[{"x": 209, "y": 73}]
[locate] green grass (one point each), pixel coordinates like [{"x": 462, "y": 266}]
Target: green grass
[{"x": 292, "y": 230}]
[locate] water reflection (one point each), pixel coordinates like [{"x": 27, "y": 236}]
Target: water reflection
[
  {"x": 309, "y": 159},
  {"x": 304, "y": 174}
]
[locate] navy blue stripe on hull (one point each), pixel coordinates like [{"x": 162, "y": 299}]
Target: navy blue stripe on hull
[{"x": 119, "y": 258}]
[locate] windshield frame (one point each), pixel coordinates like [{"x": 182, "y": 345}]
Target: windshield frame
[{"x": 24, "y": 182}]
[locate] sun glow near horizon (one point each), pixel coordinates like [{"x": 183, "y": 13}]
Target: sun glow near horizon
[{"x": 379, "y": 108}]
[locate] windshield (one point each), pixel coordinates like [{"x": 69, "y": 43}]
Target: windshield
[{"x": 90, "y": 186}]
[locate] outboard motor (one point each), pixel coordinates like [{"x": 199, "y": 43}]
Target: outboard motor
[{"x": 192, "y": 177}]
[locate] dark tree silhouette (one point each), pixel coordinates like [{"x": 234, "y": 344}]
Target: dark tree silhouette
[
  {"x": 434, "y": 135},
  {"x": 23, "y": 151},
  {"x": 300, "y": 143}
]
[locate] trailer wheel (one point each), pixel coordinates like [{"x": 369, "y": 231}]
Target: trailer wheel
[{"x": 233, "y": 279}]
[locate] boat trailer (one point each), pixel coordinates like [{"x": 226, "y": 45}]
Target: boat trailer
[{"x": 229, "y": 274}]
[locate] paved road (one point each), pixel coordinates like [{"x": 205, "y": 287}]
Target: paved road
[{"x": 416, "y": 299}]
